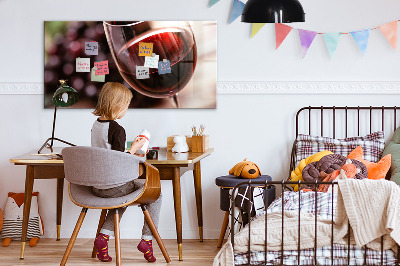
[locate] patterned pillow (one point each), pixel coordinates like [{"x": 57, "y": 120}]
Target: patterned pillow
[{"x": 372, "y": 144}]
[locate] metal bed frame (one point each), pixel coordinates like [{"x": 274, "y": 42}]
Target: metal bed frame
[{"x": 283, "y": 184}]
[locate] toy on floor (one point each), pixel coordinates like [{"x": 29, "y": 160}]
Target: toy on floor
[
  {"x": 245, "y": 169},
  {"x": 13, "y": 215}
]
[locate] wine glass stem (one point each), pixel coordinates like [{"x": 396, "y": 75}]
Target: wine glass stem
[{"x": 176, "y": 100}]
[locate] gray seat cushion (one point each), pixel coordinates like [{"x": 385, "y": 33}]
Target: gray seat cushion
[{"x": 83, "y": 196}]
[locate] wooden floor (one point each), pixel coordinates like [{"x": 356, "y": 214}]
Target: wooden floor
[{"x": 50, "y": 252}]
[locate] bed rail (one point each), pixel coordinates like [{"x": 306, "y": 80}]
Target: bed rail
[
  {"x": 342, "y": 119},
  {"x": 265, "y": 185},
  {"x": 336, "y": 122}
]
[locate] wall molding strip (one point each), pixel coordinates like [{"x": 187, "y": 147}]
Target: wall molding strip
[
  {"x": 260, "y": 87},
  {"x": 309, "y": 87}
]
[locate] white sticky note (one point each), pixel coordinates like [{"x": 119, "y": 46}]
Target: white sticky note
[
  {"x": 152, "y": 61},
  {"x": 91, "y": 48},
  {"x": 98, "y": 78},
  {"x": 142, "y": 72},
  {"x": 82, "y": 64}
]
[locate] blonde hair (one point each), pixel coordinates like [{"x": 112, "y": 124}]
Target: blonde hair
[{"x": 113, "y": 98}]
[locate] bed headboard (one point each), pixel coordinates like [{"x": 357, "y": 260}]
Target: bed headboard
[{"x": 344, "y": 121}]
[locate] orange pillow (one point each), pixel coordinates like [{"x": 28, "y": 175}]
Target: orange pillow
[{"x": 375, "y": 170}]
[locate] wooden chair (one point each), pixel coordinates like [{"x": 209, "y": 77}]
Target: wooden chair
[{"x": 85, "y": 167}]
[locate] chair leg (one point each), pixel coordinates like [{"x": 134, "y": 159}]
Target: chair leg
[
  {"x": 101, "y": 222},
  {"x": 223, "y": 229},
  {"x": 73, "y": 237},
  {"x": 117, "y": 239},
  {"x": 154, "y": 230}
]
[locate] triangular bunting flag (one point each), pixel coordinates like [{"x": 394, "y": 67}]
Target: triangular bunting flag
[
  {"x": 255, "y": 28},
  {"x": 332, "y": 41},
  {"x": 237, "y": 9},
  {"x": 306, "y": 39},
  {"x": 361, "y": 37},
  {"x": 213, "y": 2},
  {"x": 281, "y": 31},
  {"x": 389, "y": 30}
]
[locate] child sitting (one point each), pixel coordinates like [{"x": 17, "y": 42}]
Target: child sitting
[{"x": 106, "y": 133}]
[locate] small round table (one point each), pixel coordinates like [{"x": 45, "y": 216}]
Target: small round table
[{"x": 228, "y": 182}]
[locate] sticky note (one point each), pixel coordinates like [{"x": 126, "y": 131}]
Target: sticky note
[
  {"x": 142, "y": 72},
  {"x": 102, "y": 67},
  {"x": 151, "y": 61},
  {"x": 145, "y": 49},
  {"x": 91, "y": 48},
  {"x": 82, "y": 64},
  {"x": 164, "y": 67},
  {"x": 98, "y": 78}
]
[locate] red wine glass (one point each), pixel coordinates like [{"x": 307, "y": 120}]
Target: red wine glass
[{"x": 171, "y": 40}]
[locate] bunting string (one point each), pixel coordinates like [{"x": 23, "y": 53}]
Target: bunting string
[
  {"x": 343, "y": 33},
  {"x": 361, "y": 37}
]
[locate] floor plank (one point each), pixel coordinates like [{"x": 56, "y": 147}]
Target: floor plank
[{"x": 49, "y": 252}]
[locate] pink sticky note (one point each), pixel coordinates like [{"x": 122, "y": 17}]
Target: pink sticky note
[{"x": 102, "y": 68}]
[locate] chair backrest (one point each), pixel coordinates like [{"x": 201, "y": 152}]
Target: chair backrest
[{"x": 92, "y": 166}]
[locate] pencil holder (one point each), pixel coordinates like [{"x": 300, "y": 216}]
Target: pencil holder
[{"x": 200, "y": 143}]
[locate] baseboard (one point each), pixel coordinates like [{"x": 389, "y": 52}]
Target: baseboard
[{"x": 260, "y": 87}]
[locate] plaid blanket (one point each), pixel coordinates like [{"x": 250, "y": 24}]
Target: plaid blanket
[
  {"x": 323, "y": 205},
  {"x": 324, "y": 257}
]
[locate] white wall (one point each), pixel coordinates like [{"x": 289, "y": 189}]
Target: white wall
[{"x": 259, "y": 127}]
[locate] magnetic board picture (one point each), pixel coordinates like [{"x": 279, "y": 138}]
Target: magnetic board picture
[{"x": 166, "y": 64}]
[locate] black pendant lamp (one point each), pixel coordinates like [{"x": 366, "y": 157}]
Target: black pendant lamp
[{"x": 273, "y": 11}]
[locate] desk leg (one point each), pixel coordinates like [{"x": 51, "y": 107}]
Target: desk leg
[
  {"x": 60, "y": 190},
  {"x": 176, "y": 182},
  {"x": 27, "y": 206},
  {"x": 199, "y": 204}
]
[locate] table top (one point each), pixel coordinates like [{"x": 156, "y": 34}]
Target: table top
[{"x": 164, "y": 157}]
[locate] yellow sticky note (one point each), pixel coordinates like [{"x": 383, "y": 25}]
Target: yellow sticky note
[{"x": 145, "y": 49}]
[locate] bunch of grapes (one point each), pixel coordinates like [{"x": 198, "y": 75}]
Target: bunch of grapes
[{"x": 64, "y": 42}]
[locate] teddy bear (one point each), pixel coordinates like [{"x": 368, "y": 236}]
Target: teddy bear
[
  {"x": 180, "y": 144},
  {"x": 245, "y": 169},
  {"x": 13, "y": 215}
]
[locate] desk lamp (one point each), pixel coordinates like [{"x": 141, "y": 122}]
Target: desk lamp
[
  {"x": 63, "y": 97},
  {"x": 273, "y": 11}
]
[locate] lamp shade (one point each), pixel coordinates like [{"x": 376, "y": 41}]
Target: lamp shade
[
  {"x": 273, "y": 11},
  {"x": 65, "y": 95}
]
